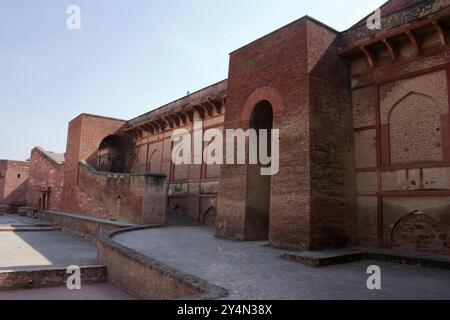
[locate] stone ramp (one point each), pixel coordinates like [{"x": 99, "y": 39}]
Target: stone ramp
[
  {"x": 177, "y": 219},
  {"x": 317, "y": 259}
]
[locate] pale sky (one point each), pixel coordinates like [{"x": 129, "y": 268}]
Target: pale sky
[{"x": 130, "y": 56}]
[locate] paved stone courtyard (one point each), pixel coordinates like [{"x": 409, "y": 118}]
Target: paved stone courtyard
[
  {"x": 252, "y": 270},
  {"x": 44, "y": 249},
  {"x": 248, "y": 270}
]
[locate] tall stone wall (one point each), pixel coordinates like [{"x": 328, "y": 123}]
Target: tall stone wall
[
  {"x": 332, "y": 217},
  {"x": 272, "y": 69},
  {"x": 297, "y": 71},
  {"x": 85, "y": 134},
  {"x": 401, "y": 133},
  {"x": 13, "y": 181},
  {"x": 44, "y": 173},
  {"x": 192, "y": 188}
]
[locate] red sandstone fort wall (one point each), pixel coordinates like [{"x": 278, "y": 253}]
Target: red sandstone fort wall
[
  {"x": 3, "y": 167},
  {"x": 13, "y": 181},
  {"x": 85, "y": 134},
  {"x": 332, "y": 218},
  {"x": 121, "y": 196},
  {"x": 274, "y": 69},
  {"x": 44, "y": 174},
  {"x": 379, "y": 124},
  {"x": 401, "y": 132},
  {"x": 192, "y": 188},
  {"x": 297, "y": 70}
]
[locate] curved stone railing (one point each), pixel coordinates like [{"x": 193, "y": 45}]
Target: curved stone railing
[
  {"x": 138, "y": 198},
  {"x": 146, "y": 278}
]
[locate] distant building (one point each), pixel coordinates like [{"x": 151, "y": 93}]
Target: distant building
[{"x": 13, "y": 181}]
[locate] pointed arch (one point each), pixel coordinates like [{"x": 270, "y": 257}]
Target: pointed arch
[
  {"x": 154, "y": 162},
  {"x": 415, "y": 132}
]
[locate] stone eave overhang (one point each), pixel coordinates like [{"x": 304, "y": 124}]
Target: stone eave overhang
[
  {"x": 408, "y": 29},
  {"x": 180, "y": 112}
]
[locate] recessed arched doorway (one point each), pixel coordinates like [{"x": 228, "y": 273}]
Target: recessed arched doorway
[
  {"x": 259, "y": 186},
  {"x": 112, "y": 154}
]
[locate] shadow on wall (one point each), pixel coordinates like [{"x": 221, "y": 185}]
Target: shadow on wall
[
  {"x": 177, "y": 209},
  {"x": 17, "y": 196},
  {"x": 137, "y": 198},
  {"x": 113, "y": 155}
]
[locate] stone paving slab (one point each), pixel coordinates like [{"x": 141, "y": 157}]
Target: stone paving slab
[
  {"x": 46, "y": 249},
  {"x": 101, "y": 291},
  {"x": 253, "y": 270}
]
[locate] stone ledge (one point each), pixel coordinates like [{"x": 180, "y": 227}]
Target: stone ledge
[
  {"x": 146, "y": 278},
  {"x": 326, "y": 258},
  {"x": 317, "y": 259},
  {"x": 412, "y": 258},
  {"x": 47, "y": 278},
  {"x": 85, "y": 227},
  {"x": 118, "y": 175},
  {"x": 29, "y": 229},
  {"x": 121, "y": 224}
]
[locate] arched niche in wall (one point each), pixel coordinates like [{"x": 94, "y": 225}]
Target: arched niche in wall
[
  {"x": 419, "y": 232},
  {"x": 154, "y": 162},
  {"x": 415, "y": 130},
  {"x": 258, "y": 185},
  {"x": 433, "y": 85},
  {"x": 112, "y": 154}
]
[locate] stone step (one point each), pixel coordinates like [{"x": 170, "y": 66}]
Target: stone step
[{"x": 317, "y": 259}]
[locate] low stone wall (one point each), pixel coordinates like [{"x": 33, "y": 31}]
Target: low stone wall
[
  {"x": 145, "y": 278},
  {"x": 86, "y": 227},
  {"x": 9, "y": 208},
  {"x": 49, "y": 278}
]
